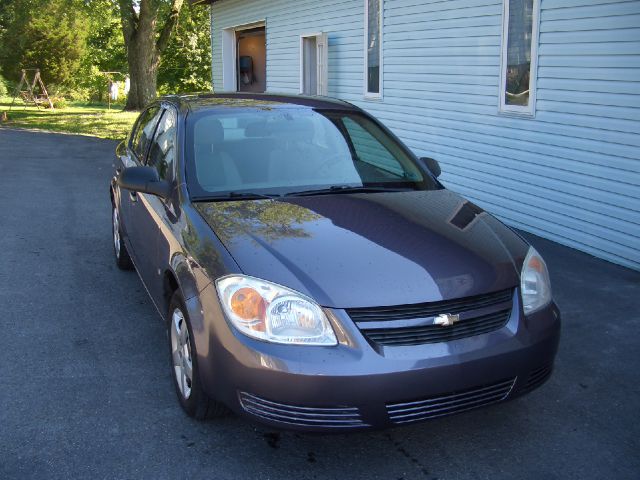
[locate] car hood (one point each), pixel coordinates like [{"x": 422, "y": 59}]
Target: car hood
[{"x": 370, "y": 249}]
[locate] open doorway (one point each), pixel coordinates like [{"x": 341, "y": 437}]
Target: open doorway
[
  {"x": 309, "y": 65},
  {"x": 252, "y": 60},
  {"x": 313, "y": 64},
  {"x": 244, "y": 58}
]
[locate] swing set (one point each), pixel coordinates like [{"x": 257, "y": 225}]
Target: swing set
[{"x": 27, "y": 90}]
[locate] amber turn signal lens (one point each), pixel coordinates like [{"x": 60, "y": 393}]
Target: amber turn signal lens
[
  {"x": 248, "y": 304},
  {"x": 536, "y": 264}
]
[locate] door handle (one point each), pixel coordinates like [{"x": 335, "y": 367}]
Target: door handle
[{"x": 133, "y": 196}]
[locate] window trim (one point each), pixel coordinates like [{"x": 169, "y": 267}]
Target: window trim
[
  {"x": 367, "y": 94},
  {"x": 519, "y": 110}
]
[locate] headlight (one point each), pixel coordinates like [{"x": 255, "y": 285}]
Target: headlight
[
  {"x": 274, "y": 313},
  {"x": 534, "y": 282}
]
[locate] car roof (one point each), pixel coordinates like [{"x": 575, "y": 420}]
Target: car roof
[{"x": 207, "y": 101}]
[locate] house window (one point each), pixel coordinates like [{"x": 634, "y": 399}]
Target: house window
[
  {"x": 373, "y": 48},
  {"x": 519, "y": 56}
]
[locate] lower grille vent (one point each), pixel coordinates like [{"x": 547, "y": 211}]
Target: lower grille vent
[
  {"x": 538, "y": 377},
  {"x": 325, "y": 417},
  {"x": 450, "y": 403}
]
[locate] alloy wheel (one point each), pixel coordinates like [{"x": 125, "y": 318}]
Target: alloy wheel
[
  {"x": 181, "y": 353},
  {"x": 116, "y": 232}
]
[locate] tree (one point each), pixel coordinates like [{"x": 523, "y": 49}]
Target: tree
[
  {"x": 146, "y": 27},
  {"x": 45, "y": 34},
  {"x": 186, "y": 63},
  {"x": 105, "y": 51}
]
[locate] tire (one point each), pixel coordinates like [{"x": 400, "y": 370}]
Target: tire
[
  {"x": 182, "y": 355},
  {"x": 123, "y": 260}
]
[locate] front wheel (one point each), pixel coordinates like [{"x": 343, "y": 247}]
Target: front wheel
[
  {"x": 184, "y": 365},
  {"x": 123, "y": 260}
]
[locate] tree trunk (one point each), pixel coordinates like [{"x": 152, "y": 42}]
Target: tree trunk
[
  {"x": 143, "y": 72},
  {"x": 143, "y": 48}
]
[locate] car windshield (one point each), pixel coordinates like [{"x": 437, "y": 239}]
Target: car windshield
[{"x": 288, "y": 151}]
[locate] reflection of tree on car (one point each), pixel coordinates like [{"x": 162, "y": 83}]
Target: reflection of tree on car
[{"x": 265, "y": 218}]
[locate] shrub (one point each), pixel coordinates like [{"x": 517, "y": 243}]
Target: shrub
[
  {"x": 3, "y": 87},
  {"x": 58, "y": 102},
  {"x": 77, "y": 94}
]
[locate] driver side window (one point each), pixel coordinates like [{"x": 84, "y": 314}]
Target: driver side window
[
  {"x": 144, "y": 131},
  {"x": 163, "y": 149}
]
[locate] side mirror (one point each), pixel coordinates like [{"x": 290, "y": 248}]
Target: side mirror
[
  {"x": 432, "y": 165},
  {"x": 144, "y": 180}
]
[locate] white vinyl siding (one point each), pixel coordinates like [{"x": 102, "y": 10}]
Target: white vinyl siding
[{"x": 571, "y": 174}]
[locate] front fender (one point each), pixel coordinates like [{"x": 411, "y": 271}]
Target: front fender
[{"x": 191, "y": 280}]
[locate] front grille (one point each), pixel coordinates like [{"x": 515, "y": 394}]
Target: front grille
[
  {"x": 479, "y": 314},
  {"x": 324, "y": 417},
  {"x": 448, "y": 404},
  {"x": 431, "y": 309},
  {"x": 438, "y": 333}
]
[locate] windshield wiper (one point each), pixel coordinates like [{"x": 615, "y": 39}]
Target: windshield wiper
[
  {"x": 347, "y": 189},
  {"x": 226, "y": 196}
]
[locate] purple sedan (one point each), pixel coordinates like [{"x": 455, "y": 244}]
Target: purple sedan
[{"x": 314, "y": 274}]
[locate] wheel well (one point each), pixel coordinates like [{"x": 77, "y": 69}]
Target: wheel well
[{"x": 169, "y": 286}]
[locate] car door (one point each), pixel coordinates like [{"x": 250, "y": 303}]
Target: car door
[
  {"x": 160, "y": 214},
  {"x": 128, "y": 154},
  {"x": 140, "y": 226}
]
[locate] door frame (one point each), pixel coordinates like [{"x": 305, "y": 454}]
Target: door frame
[
  {"x": 230, "y": 53},
  {"x": 322, "y": 66}
]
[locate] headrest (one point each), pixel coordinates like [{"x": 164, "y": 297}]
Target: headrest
[
  {"x": 208, "y": 130},
  {"x": 256, "y": 129},
  {"x": 300, "y": 129}
]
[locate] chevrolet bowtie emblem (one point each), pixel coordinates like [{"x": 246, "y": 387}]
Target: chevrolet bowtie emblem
[{"x": 446, "y": 319}]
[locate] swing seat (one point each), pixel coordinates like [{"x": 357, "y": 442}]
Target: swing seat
[{"x": 26, "y": 97}]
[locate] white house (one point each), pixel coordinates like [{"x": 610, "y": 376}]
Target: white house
[{"x": 532, "y": 107}]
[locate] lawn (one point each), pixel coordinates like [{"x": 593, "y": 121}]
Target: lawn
[{"x": 80, "y": 118}]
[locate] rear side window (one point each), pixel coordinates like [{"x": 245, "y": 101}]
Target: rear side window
[
  {"x": 144, "y": 131},
  {"x": 163, "y": 149}
]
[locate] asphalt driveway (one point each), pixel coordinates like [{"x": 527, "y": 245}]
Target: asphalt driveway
[{"x": 85, "y": 388}]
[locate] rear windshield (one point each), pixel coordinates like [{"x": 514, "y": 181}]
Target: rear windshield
[{"x": 281, "y": 150}]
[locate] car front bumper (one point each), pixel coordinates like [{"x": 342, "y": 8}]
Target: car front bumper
[{"x": 359, "y": 385}]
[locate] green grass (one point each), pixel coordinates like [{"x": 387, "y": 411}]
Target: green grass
[{"x": 79, "y": 118}]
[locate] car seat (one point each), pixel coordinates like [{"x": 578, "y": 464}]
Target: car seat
[
  {"x": 296, "y": 157},
  {"x": 215, "y": 168}
]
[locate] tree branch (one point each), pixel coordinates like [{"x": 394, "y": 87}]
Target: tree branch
[
  {"x": 169, "y": 23},
  {"x": 129, "y": 19}
]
